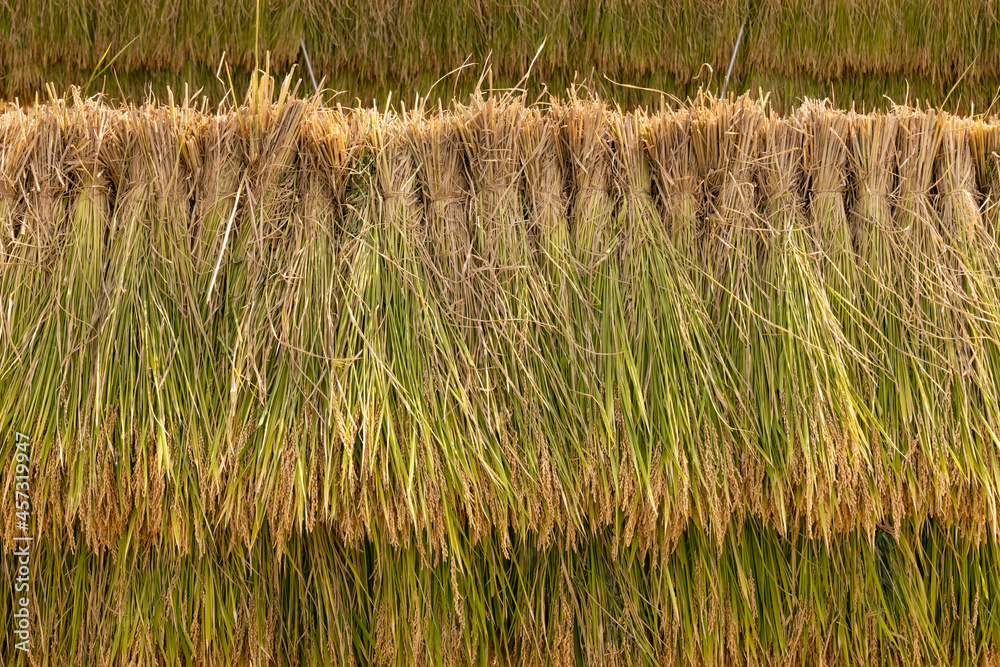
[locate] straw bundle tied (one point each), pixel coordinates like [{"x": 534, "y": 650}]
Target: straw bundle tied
[{"x": 502, "y": 384}]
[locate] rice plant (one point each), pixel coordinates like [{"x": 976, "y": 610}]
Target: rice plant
[{"x": 501, "y": 383}]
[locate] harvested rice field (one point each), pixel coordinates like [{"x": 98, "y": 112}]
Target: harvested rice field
[{"x": 504, "y": 365}]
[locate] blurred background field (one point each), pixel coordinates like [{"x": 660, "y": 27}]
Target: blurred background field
[{"x": 869, "y": 52}]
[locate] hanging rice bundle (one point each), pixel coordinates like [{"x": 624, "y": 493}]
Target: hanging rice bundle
[
  {"x": 725, "y": 139},
  {"x": 684, "y": 335},
  {"x": 968, "y": 265},
  {"x": 879, "y": 245},
  {"x": 210, "y": 155},
  {"x": 559, "y": 422},
  {"x": 817, "y": 417},
  {"x": 933, "y": 336},
  {"x": 614, "y": 414},
  {"x": 515, "y": 311},
  {"x": 499, "y": 384},
  {"x": 269, "y": 137}
]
